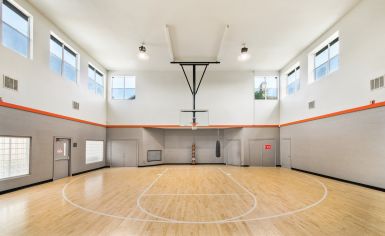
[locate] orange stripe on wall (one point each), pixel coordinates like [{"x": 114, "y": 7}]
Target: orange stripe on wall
[
  {"x": 41, "y": 112},
  {"x": 45, "y": 113},
  {"x": 338, "y": 113},
  {"x": 178, "y": 126}
]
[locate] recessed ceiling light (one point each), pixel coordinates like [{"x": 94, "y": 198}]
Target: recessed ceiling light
[
  {"x": 142, "y": 53},
  {"x": 244, "y": 56}
]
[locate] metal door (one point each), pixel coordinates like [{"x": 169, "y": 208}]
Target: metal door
[
  {"x": 233, "y": 150},
  {"x": 286, "y": 153},
  {"x": 255, "y": 153},
  {"x": 268, "y": 153},
  {"x": 262, "y": 152},
  {"x": 124, "y": 153},
  {"x": 62, "y": 158}
]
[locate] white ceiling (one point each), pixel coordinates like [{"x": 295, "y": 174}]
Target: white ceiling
[{"x": 274, "y": 30}]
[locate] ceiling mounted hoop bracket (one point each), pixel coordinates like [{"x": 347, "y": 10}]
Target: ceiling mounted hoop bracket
[{"x": 194, "y": 87}]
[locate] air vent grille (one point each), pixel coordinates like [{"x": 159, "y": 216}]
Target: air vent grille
[
  {"x": 75, "y": 105},
  {"x": 377, "y": 83},
  {"x": 154, "y": 155},
  {"x": 10, "y": 83},
  {"x": 312, "y": 105}
]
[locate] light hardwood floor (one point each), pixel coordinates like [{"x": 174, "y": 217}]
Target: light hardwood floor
[{"x": 193, "y": 200}]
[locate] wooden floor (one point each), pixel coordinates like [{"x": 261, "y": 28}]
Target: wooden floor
[{"x": 193, "y": 200}]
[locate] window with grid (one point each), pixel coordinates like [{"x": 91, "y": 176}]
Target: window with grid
[
  {"x": 63, "y": 60},
  {"x": 123, "y": 88},
  {"x": 326, "y": 60},
  {"x": 94, "y": 151},
  {"x": 15, "y": 29},
  {"x": 293, "y": 82},
  {"x": 266, "y": 88},
  {"x": 95, "y": 81},
  {"x": 14, "y": 156}
]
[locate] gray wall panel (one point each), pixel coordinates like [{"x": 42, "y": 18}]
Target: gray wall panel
[
  {"x": 350, "y": 147},
  {"x": 178, "y": 145},
  {"x": 42, "y": 129},
  {"x": 125, "y": 134},
  {"x": 153, "y": 139}
]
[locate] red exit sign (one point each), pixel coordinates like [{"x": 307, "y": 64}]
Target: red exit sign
[{"x": 267, "y": 147}]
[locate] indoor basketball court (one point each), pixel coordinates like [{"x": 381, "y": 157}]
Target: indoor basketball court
[{"x": 192, "y": 117}]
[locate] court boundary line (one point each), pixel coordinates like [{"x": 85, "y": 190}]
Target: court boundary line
[
  {"x": 293, "y": 212},
  {"x": 192, "y": 194},
  {"x": 251, "y": 209}
]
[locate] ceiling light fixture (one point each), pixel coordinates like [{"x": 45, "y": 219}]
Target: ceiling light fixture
[
  {"x": 142, "y": 52},
  {"x": 244, "y": 56}
]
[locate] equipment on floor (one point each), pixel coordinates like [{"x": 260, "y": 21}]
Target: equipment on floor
[{"x": 218, "y": 147}]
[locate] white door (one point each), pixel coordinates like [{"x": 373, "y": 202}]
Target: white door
[
  {"x": 286, "y": 153},
  {"x": 124, "y": 153},
  {"x": 62, "y": 155},
  {"x": 233, "y": 148}
]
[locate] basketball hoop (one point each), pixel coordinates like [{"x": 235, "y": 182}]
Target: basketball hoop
[
  {"x": 194, "y": 86},
  {"x": 194, "y": 118}
]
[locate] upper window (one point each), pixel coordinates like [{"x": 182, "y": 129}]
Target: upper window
[
  {"x": 14, "y": 156},
  {"x": 95, "y": 81},
  {"x": 123, "y": 87},
  {"x": 63, "y": 60},
  {"x": 15, "y": 29},
  {"x": 326, "y": 60},
  {"x": 266, "y": 87},
  {"x": 293, "y": 83},
  {"x": 94, "y": 151}
]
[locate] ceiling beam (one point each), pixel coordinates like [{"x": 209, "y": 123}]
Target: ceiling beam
[
  {"x": 169, "y": 42},
  {"x": 220, "y": 48}
]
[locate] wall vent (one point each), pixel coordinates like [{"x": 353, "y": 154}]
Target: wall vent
[
  {"x": 377, "y": 83},
  {"x": 312, "y": 105},
  {"x": 154, "y": 155},
  {"x": 10, "y": 83},
  {"x": 75, "y": 105}
]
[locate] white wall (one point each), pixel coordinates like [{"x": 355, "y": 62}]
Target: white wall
[
  {"x": 362, "y": 57},
  {"x": 229, "y": 97},
  {"x": 43, "y": 89}
]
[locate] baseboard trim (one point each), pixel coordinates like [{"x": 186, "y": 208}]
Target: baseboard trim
[
  {"x": 341, "y": 180},
  {"x": 176, "y": 164},
  {"x": 25, "y": 186},
  {"x": 278, "y": 166},
  {"x": 86, "y": 171}
]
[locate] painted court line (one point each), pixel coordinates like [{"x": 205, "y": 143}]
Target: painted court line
[
  {"x": 199, "y": 222},
  {"x": 165, "y": 220},
  {"x": 192, "y": 194}
]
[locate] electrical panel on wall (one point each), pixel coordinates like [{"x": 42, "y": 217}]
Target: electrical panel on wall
[
  {"x": 311, "y": 105},
  {"x": 10, "y": 83},
  {"x": 75, "y": 105},
  {"x": 377, "y": 83}
]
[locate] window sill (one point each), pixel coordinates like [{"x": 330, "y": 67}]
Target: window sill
[{"x": 15, "y": 177}]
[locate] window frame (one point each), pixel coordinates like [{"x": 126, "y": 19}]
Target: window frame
[
  {"x": 69, "y": 49},
  {"x": 323, "y": 49},
  {"x": 19, "y": 10},
  {"x": 85, "y": 148},
  {"x": 124, "y": 88},
  {"x": 312, "y": 57},
  {"x": 265, "y": 96},
  {"x": 29, "y": 157},
  {"x": 296, "y": 70},
  {"x": 90, "y": 65}
]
